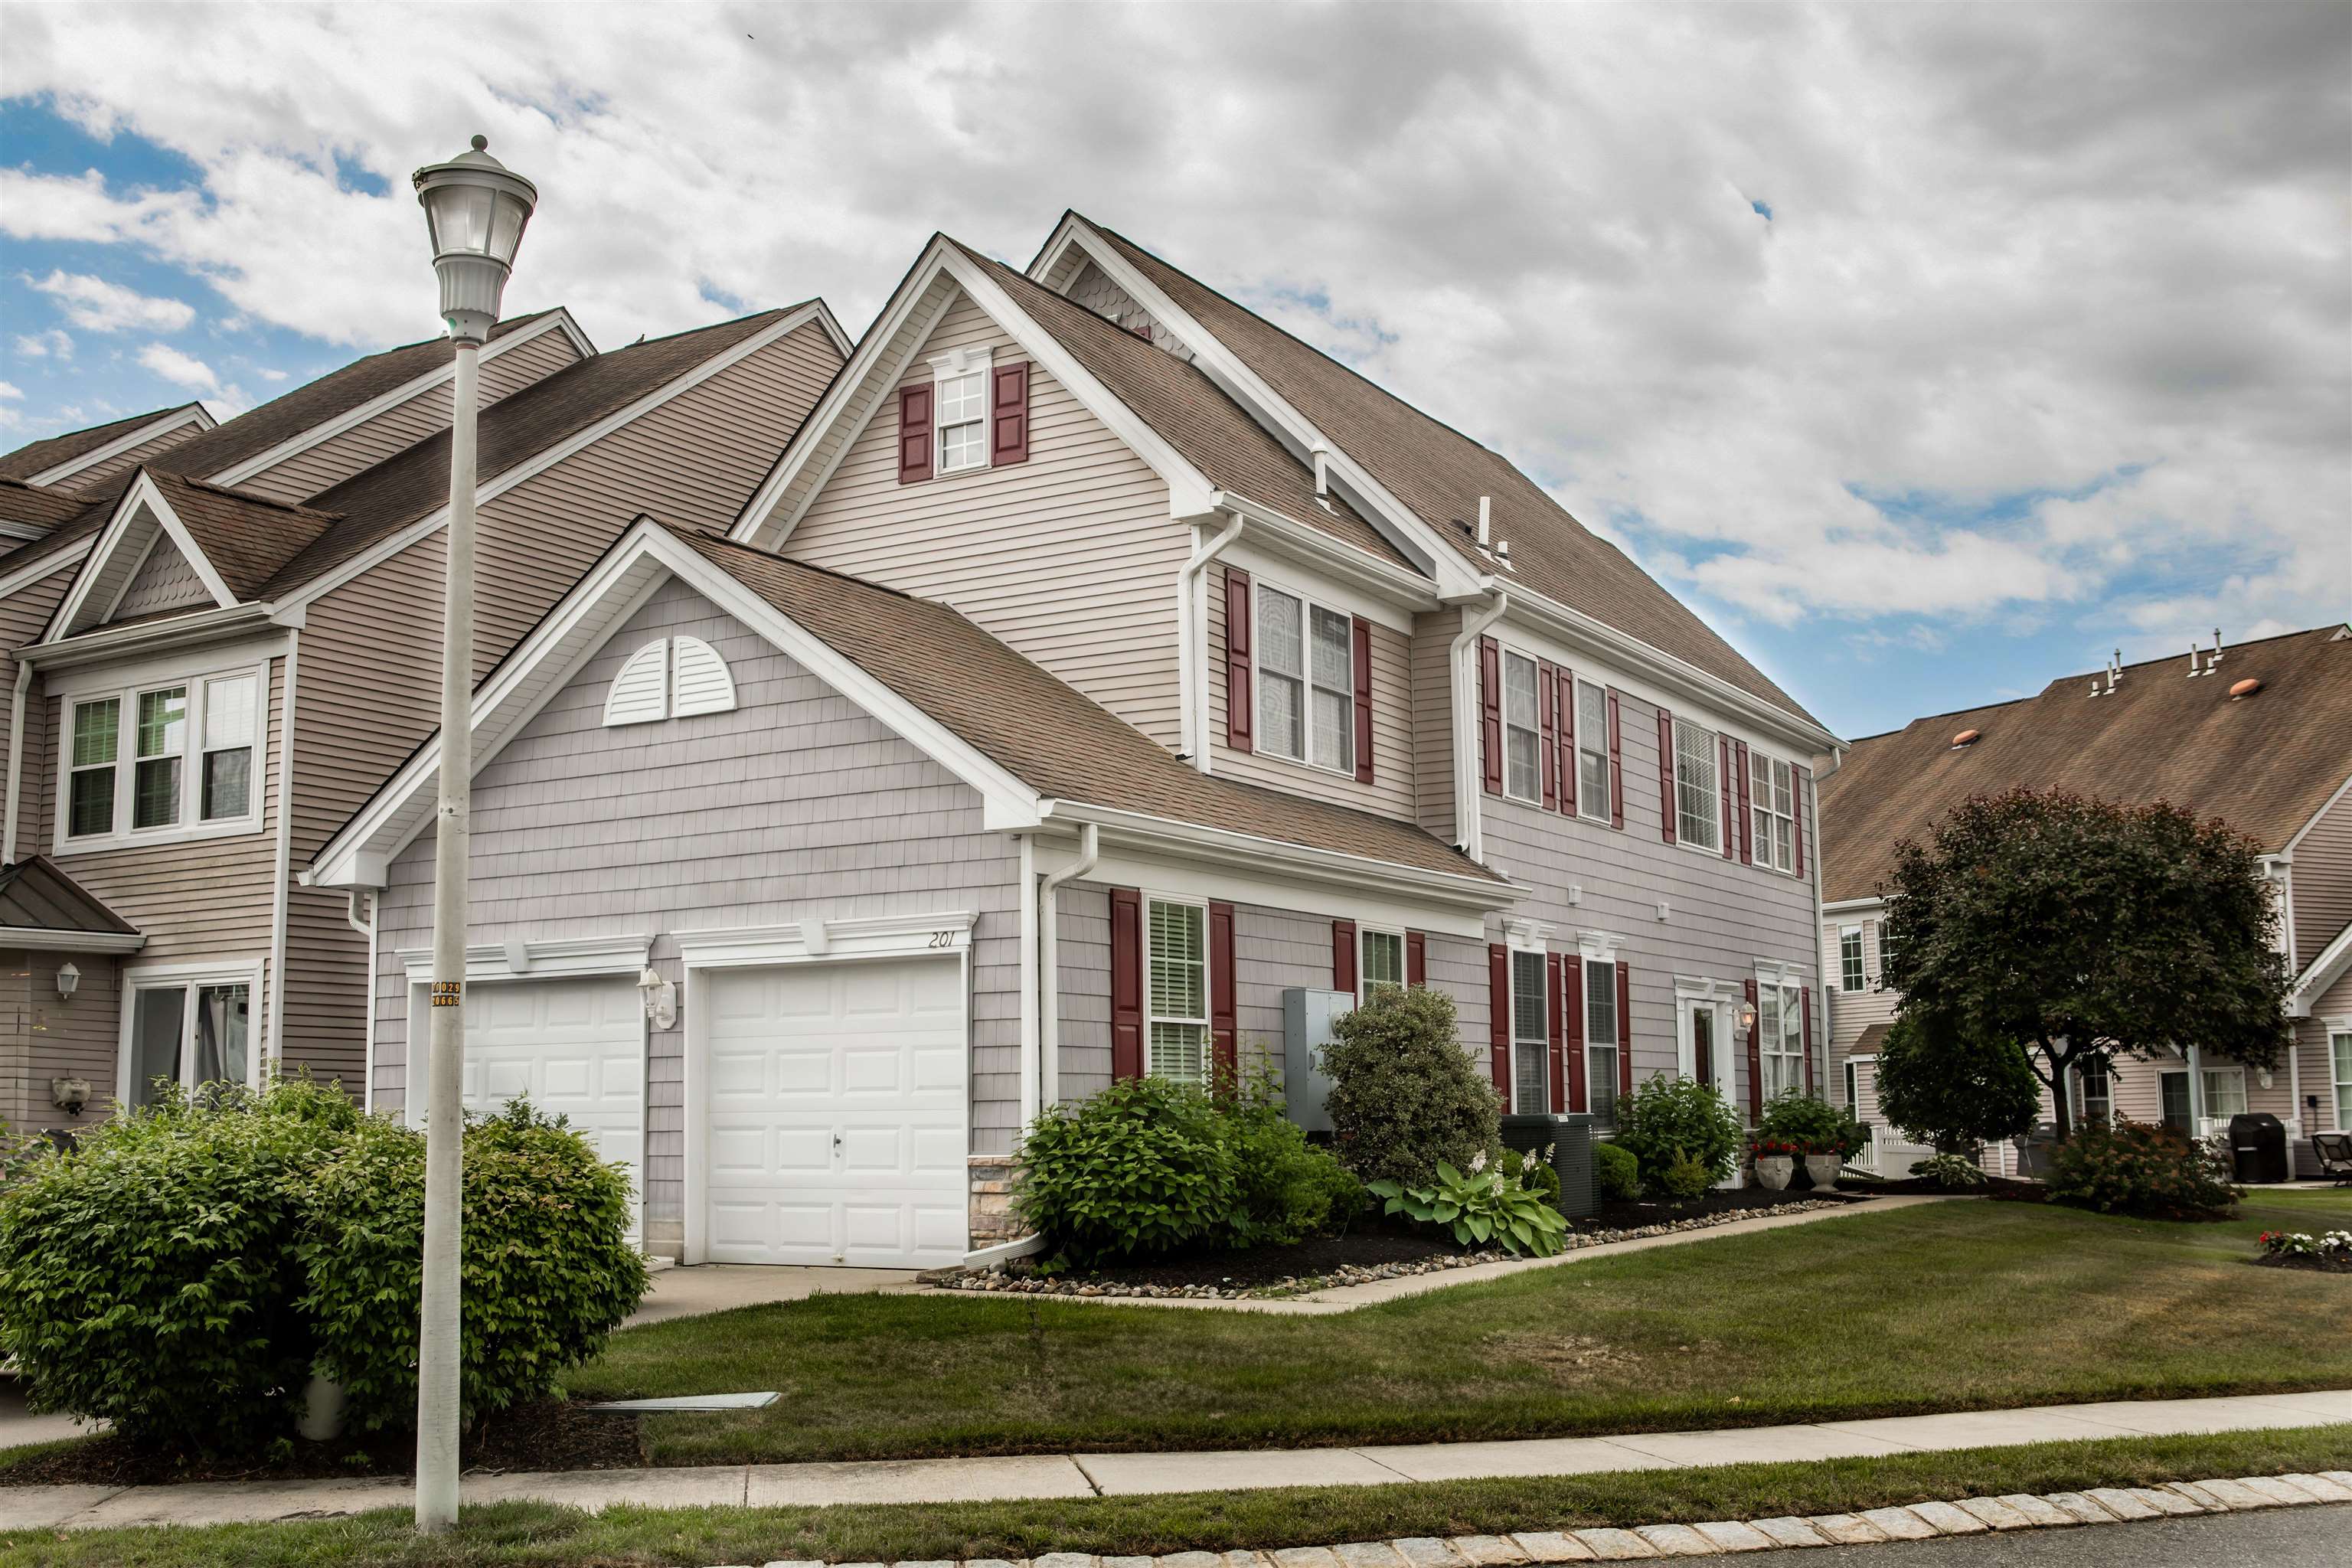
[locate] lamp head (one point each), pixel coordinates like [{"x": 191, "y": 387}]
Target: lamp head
[
  {"x": 475, "y": 209},
  {"x": 68, "y": 980}
]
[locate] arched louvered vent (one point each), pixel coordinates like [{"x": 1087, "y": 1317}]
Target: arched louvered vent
[
  {"x": 640, "y": 693},
  {"x": 699, "y": 680}
]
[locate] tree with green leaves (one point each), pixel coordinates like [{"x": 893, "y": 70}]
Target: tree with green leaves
[
  {"x": 1952, "y": 1086},
  {"x": 2088, "y": 933}
]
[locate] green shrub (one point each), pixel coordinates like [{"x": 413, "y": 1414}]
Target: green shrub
[
  {"x": 1670, "y": 1118},
  {"x": 2136, "y": 1168},
  {"x": 151, "y": 1280},
  {"x": 1480, "y": 1206},
  {"x": 1951, "y": 1170},
  {"x": 1684, "y": 1177},
  {"x": 1144, "y": 1166},
  {"x": 1812, "y": 1125},
  {"x": 1534, "y": 1172},
  {"x": 1404, "y": 1094},
  {"x": 1951, "y": 1084},
  {"x": 1616, "y": 1174},
  {"x": 548, "y": 1270},
  {"x": 1290, "y": 1189}
]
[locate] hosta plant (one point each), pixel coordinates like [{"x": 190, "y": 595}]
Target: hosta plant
[
  {"x": 1481, "y": 1207},
  {"x": 1949, "y": 1171}
]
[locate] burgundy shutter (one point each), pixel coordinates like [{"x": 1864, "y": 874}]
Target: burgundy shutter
[
  {"x": 1616, "y": 766},
  {"x": 1363, "y": 702},
  {"x": 1490, "y": 712},
  {"x": 1126, "y": 982},
  {"x": 1008, "y": 414},
  {"x": 1723, "y": 777},
  {"x": 1624, "y": 1027},
  {"x": 1224, "y": 1033},
  {"x": 1499, "y": 1019},
  {"x": 1564, "y": 704},
  {"x": 1799, "y": 790},
  {"x": 1416, "y": 958},
  {"x": 1666, "y": 775},
  {"x": 1755, "y": 1060},
  {"x": 1547, "y": 724},
  {"x": 1558, "y": 1040},
  {"x": 1572, "y": 1010},
  {"x": 1343, "y": 957},
  {"x": 914, "y": 433},
  {"x": 1239, "y": 708},
  {"x": 1808, "y": 1038},
  {"x": 1746, "y": 816}
]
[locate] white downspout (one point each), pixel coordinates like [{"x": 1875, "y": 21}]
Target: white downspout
[
  {"x": 1468, "y": 786},
  {"x": 367, "y": 932},
  {"x": 284, "y": 862},
  {"x": 1049, "y": 988},
  {"x": 15, "y": 760},
  {"x": 1032, "y": 1050},
  {"x": 1192, "y": 632}
]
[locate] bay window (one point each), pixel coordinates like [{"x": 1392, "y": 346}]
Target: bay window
[
  {"x": 1305, "y": 681},
  {"x": 165, "y": 760},
  {"x": 1771, "y": 803},
  {"x": 1176, "y": 1033},
  {"x": 1698, "y": 807}
]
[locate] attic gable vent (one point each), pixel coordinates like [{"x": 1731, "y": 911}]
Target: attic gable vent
[
  {"x": 670, "y": 677},
  {"x": 1965, "y": 738}
]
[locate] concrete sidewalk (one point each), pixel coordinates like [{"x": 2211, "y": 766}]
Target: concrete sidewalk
[{"x": 1133, "y": 1475}]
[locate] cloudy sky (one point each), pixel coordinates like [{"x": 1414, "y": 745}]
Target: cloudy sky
[{"x": 1931, "y": 351}]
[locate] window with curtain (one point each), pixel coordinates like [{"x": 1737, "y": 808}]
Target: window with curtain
[
  {"x": 1698, "y": 805},
  {"x": 1772, "y": 802},
  {"x": 1601, "y": 1040},
  {"x": 1522, "y": 728},
  {"x": 1530, "y": 1036},
  {"x": 2225, "y": 1092},
  {"x": 1380, "y": 961},
  {"x": 1305, "y": 681},
  {"x": 189, "y": 1033},
  {"x": 1179, "y": 992}
]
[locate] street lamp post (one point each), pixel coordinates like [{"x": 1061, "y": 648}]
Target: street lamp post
[{"x": 476, "y": 210}]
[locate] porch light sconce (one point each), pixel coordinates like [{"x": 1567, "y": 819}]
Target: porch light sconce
[
  {"x": 661, "y": 999},
  {"x": 1664, "y": 910},
  {"x": 69, "y": 980},
  {"x": 70, "y": 1094},
  {"x": 2263, "y": 1076},
  {"x": 1747, "y": 1017}
]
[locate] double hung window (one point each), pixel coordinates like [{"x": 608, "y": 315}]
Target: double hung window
[
  {"x": 1178, "y": 991},
  {"x": 1851, "y": 976},
  {"x": 1592, "y": 751},
  {"x": 1530, "y": 1035},
  {"x": 1772, "y": 805},
  {"x": 1522, "y": 728},
  {"x": 962, "y": 420},
  {"x": 1380, "y": 961},
  {"x": 1601, "y": 1040},
  {"x": 1780, "y": 1037},
  {"x": 1698, "y": 807},
  {"x": 1305, "y": 681}
]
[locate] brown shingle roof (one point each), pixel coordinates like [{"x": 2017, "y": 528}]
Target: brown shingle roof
[
  {"x": 1190, "y": 411},
  {"x": 36, "y": 896},
  {"x": 244, "y": 537},
  {"x": 36, "y": 456},
  {"x": 38, "y": 506},
  {"x": 2264, "y": 765},
  {"x": 1440, "y": 473},
  {"x": 1044, "y": 733}
]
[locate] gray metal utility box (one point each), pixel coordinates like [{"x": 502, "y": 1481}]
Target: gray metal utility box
[{"x": 1306, "y": 1019}]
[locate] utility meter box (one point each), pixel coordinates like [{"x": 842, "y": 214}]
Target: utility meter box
[{"x": 1306, "y": 1019}]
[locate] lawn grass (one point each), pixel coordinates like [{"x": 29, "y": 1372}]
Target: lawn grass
[
  {"x": 1939, "y": 1307},
  {"x": 531, "y": 1533}
]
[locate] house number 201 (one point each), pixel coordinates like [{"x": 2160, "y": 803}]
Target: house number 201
[{"x": 943, "y": 939}]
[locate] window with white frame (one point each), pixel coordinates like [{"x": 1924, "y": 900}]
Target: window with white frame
[
  {"x": 1772, "y": 802},
  {"x": 1698, "y": 806},
  {"x": 959, "y": 419},
  {"x": 1601, "y": 1040},
  {"x": 1851, "y": 977},
  {"x": 2094, "y": 1092},
  {"x": 1592, "y": 751},
  {"x": 1522, "y": 728},
  {"x": 1305, "y": 681},
  {"x": 1853, "y": 1088},
  {"x": 1380, "y": 961},
  {"x": 2225, "y": 1092},
  {"x": 186, "y": 1032},
  {"x": 1530, "y": 1035},
  {"x": 2339, "y": 1056},
  {"x": 1781, "y": 1036},
  {"x": 1177, "y": 1029},
  {"x": 170, "y": 757}
]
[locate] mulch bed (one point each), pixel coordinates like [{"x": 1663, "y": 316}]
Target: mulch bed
[
  {"x": 553, "y": 1435},
  {"x": 1364, "y": 1246},
  {"x": 2326, "y": 1263},
  {"x": 2008, "y": 1188},
  {"x": 1644, "y": 1212}
]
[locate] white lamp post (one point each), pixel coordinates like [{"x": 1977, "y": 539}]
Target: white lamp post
[{"x": 476, "y": 210}]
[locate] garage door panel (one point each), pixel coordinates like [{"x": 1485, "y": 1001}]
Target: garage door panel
[
  {"x": 801, "y": 1073},
  {"x": 738, "y": 1075},
  {"x": 874, "y": 1070}
]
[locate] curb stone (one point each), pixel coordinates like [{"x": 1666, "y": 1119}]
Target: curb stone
[
  {"x": 1732, "y": 1535},
  {"x": 1849, "y": 1529}
]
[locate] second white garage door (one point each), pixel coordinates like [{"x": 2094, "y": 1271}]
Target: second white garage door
[{"x": 834, "y": 1113}]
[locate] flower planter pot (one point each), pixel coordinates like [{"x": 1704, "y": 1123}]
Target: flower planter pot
[
  {"x": 323, "y": 1410},
  {"x": 1773, "y": 1170},
  {"x": 1823, "y": 1169}
]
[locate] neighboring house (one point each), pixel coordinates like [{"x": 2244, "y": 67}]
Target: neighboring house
[
  {"x": 2261, "y": 737},
  {"x": 228, "y": 648},
  {"x": 79, "y": 461},
  {"x": 1097, "y": 664}
]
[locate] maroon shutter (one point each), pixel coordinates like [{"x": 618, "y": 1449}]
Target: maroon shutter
[
  {"x": 1572, "y": 1010},
  {"x": 1624, "y": 1027},
  {"x": 1564, "y": 704},
  {"x": 1666, "y": 775},
  {"x": 1616, "y": 766},
  {"x": 1499, "y": 1019},
  {"x": 1558, "y": 1040},
  {"x": 1490, "y": 712},
  {"x": 1808, "y": 1038},
  {"x": 914, "y": 433},
  {"x": 1126, "y": 982},
  {"x": 1746, "y": 816},
  {"x": 1239, "y": 708},
  {"x": 1800, "y": 788},
  {"x": 1547, "y": 724},
  {"x": 1008, "y": 414},
  {"x": 1363, "y": 702},
  {"x": 1343, "y": 957},
  {"x": 1416, "y": 958},
  {"x": 1755, "y": 1059},
  {"x": 1723, "y": 777},
  {"x": 1224, "y": 1033}
]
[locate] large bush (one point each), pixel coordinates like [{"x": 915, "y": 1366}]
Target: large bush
[
  {"x": 1405, "y": 1096},
  {"x": 1616, "y": 1174},
  {"x": 2136, "y": 1168},
  {"x": 1142, "y": 1167},
  {"x": 1670, "y": 1119},
  {"x": 548, "y": 1271},
  {"x": 151, "y": 1279},
  {"x": 1290, "y": 1189},
  {"x": 1952, "y": 1085}
]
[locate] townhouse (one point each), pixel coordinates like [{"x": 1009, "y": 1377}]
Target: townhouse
[
  {"x": 1097, "y": 664},
  {"x": 2258, "y": 735},
  {"x": 222, "y": 639}
]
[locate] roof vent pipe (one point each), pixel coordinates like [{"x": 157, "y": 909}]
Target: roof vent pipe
[
  {"x": 2192, "y": 659},
  {"x": 1322, "y": 455},
  {"x": 2216, "y": 651},
  {"x": 1503, "y": 553},
  {"x": 1486, "y": 525}
]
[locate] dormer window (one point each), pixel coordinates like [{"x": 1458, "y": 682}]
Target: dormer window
[
  {"x": 670, "y": 677},
  {"x": 962, "y": 402}
]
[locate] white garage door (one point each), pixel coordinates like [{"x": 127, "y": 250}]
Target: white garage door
[{"x": 834, "y": 1123}]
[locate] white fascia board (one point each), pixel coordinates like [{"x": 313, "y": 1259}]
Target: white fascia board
[
  {"x": 543, "y": 958},
  {"x": 2286, "y": 851},
  {"x": 489, "y": 490},
  {"x": 47, "y": 566},
  {"x": 1852, "y": 905},
  {"x": 195, "y": 414},
  {"x": 2323, "y": 972},
  {"x": 1273, "y": 534},
  {"x": 72, "y": 941},
  {"x": 142, "y": 493},
  {"x": 107, "y": 644}
]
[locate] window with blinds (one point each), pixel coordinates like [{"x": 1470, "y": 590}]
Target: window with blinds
[
  {"x": 1177, "y": 993},
  {"x": 1530, "y": 1036},
  {"x": 1697, "y": 804}
]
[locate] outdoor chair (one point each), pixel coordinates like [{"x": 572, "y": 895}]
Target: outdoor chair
[{"x": 2335, "y": 1152}]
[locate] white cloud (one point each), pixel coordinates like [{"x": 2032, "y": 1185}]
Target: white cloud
[
  {"x": 179, "y": 369},
  {"x": 97, "y": 306},
  {"x": 10, "y": 391},
  {"x": 54, "y": 344}
]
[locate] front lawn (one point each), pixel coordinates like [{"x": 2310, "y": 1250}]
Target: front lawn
[{"x": 1950, "y": 1306}]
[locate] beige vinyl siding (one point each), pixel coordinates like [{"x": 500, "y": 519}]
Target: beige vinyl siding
[
  {"x": 796, "y": 805},
  {"x": 1391, "y": 791},
  {"x": 2321, "y": 881},
  {"x": 510, "y": 370},
  {"x": 43, "y": 1035},
  {"x": 1070, "y": 557},
  {"x": 165, "y": 580},
  {"x": 23, "y": 614},
  {"x": 89, "y": 481},
  {"x": 1851, "y": 1014},
  {"x": 1431, "y": 654}
]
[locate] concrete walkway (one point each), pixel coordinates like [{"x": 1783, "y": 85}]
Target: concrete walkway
[{"x": 1133, "y": 1475}]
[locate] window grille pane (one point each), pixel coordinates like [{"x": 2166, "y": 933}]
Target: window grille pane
[
  {"x": 1783, "y": 796},
  {"x": 1280, "y": 726},
  {"x": 1695, "y": 799},
  {"x": 93, "y": 803},
  {"x": 1520, "y": 690},
  {"x": 1180, "y": 1052},
  {"x": 959, "y": 399},
  {"x": 1592, "y": 719},
  {"x": 1851, "y": 977},
  {"x": 1278, "y": 645},
  {"x": 1528, "y": 1019},
  {"x": 960, "y": 446},
  {"x": 1593, "y": 782},
  {"x": 1383, "y": 963},
  {"x": 162, "y": 723},
  {"x": 1522, "y": 755},
  {"x": 1179, "y": 980},
  {"x": 1335, "y": 652},
  {"x": 156, "y": 797},
  {"x": 1781, "y": 856},
  {"x": 97, "y": 728}
]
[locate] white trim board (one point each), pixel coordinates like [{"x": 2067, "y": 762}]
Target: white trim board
[
  {"x": 538, "y": 958},
  {"x": 50, "y": 941},
  {"x": 192, "y": 414},
  {"x": 827, "y": 940}
]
